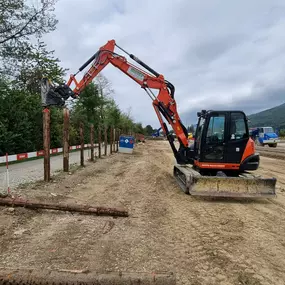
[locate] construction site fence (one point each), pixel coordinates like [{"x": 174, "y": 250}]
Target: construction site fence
[{"x": 26, "y": 155}]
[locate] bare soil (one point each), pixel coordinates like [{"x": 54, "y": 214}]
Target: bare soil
[
  {"x": 278, "y": 152},
  {"x": 203, "y": 241}
]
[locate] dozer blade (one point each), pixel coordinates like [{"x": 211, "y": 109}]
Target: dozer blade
[
  {"x": 46, "y": 277},
  {"x": 247, "y": 185}
]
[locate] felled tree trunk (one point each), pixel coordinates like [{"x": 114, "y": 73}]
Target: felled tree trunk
[{"x": 100, "y": 211}]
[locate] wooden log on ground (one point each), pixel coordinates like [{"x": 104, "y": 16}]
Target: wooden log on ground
[
  {"x": 83, "y": 276},
  {"x": 87, "y": 209}
]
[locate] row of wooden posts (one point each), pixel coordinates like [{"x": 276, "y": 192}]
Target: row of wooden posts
[{"x": 114, "y": 142}]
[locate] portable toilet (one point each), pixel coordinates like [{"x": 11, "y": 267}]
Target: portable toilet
[{"x": 126, "y": 144}]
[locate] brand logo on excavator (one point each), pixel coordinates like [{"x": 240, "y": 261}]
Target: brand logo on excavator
[{"x": 135, "y": 73}]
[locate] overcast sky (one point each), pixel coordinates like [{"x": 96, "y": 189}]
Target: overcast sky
[{"x": 218, "y": 54}]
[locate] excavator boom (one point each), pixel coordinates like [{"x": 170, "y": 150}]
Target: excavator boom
[{"x": 164, "y": 103}]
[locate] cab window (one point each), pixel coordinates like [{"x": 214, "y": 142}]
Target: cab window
[
  {"x": 238, "y": 127},
  {"x": 216, "y": 129},
  {"x": 199, "y": 132}
]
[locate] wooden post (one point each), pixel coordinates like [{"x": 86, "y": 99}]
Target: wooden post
[
  {"x": 118, "y": 139},
  {"x": 114, "y": 140},
  {"x": 105, "y": 140},
  {"x": 82, "y": 145},
  {"x": 111, "y": 140},
  {"x": 65, "y": 140},
  {"x": 46, "y": 143},
  {"x": 92, "y": 141},
  {"x": 99, "y": 141}
]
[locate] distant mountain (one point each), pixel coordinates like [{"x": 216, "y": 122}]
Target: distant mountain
[{"x": 274, "y": 117}]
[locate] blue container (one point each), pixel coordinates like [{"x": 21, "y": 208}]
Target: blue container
[{"x": 126, "y": 144}]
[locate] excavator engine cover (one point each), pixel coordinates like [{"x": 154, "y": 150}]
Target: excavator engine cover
[{"x": 245, "y": 185}]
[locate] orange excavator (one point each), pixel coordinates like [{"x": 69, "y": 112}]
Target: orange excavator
[{"x": 222, "y": 158}]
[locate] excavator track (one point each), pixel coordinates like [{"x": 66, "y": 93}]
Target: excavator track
[{"x": 246, "y": 185}]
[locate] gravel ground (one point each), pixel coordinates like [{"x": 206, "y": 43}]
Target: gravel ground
[
  {"x": 203, "y": 241},
  {"x": 30, "y": 171}
]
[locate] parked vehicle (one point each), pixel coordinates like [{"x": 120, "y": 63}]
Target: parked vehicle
[{"x": 264, "y": 136}]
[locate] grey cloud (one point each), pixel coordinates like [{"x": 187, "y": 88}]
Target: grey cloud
[
  {"x": 212, "y": 49},
  {"x": 218, "y": 54}
]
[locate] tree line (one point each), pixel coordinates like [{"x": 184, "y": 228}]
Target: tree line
[{"x": 24, "y": 60}]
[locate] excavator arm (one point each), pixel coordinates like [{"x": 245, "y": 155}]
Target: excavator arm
[{"x": 164, "y": 103}]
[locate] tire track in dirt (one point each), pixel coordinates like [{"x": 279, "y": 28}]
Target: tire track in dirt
[
  {"x": 205, "y": 241},
  {"x": 212, "y": 244},
  {"x": 205, "y": 248}
]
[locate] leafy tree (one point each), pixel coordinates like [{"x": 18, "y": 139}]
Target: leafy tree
[
  {"x": 191, "y": 129},
  {"x": 20, "y": 120},
  {"x": 20, "y": 23},
  {"x": 38, "y": 64},
  {"x": 148, "y": 130},
  {"x": 113, "y": 114},
  {"x": 138, "y": 128},
  {"x": 282, "y": 133}
]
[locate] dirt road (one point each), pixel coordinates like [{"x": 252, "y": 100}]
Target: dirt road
[
  {"x": 267, "y": 151},
  {"x": 204, "y": 241}
]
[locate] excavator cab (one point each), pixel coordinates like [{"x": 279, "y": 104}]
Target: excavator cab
[
  {"x": 223, "y": 141},
  {"x": 221, "y": 156}
]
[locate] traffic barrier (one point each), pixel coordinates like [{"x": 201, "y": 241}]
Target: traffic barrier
[{"x": 26, "y": 155}]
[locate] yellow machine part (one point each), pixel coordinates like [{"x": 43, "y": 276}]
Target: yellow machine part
[{"x": 246, "y": 185}]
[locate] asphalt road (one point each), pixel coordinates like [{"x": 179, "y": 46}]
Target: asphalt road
[{"x": 33, "y": 170}]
